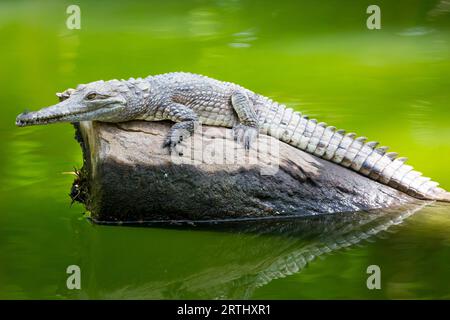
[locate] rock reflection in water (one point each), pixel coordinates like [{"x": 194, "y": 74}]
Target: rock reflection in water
[{"x": 247, "y": 255}]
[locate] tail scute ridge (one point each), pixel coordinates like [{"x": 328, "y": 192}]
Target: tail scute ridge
[{"x": 347, "y": 150}]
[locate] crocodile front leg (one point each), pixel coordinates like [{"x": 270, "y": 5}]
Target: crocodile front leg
[
  {"x": 187, "y": 122},
  {"x": 247, "y": 130}
]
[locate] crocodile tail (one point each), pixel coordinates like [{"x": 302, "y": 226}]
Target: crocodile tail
[
  {"x": 442, "y": 195},
  {"x": 348, "y": 150}
]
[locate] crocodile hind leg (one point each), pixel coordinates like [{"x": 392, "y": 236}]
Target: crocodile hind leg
[
  {"x": 187, "y": 121},
  {"x": 247, "y": 130}
]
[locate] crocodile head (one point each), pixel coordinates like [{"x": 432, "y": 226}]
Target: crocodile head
[{"x": 95, "y": 101}]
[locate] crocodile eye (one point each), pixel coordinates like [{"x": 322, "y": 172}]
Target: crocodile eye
[{"x": 91, "y": 96}]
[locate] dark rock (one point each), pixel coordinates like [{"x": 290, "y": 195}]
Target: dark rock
[{"x": 128, "y": 177}]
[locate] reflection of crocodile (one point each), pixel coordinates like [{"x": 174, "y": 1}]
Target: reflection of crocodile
[
  {"x": 190, "y": 99},
  {"x": 231, "y": 267}
]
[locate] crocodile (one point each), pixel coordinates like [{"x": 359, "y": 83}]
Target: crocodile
[{"x": 191, "y": 99}]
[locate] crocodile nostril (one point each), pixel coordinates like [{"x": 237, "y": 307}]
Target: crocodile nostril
[{"x": 22, "y": 119}]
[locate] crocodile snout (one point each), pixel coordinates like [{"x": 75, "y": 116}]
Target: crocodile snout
[
  {"x": 32, "y": 118},
  {"x": 24, "y": 119}
]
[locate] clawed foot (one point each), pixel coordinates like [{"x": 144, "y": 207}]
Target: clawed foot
[
  {"x": 173, "y": 141},
  {"x": 245, "y": 135},
  {"x": 178, "y": 133}
]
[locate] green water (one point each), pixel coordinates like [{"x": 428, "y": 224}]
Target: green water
[{"x": 391, "y": 85}]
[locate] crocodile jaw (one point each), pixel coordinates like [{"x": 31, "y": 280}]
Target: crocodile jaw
[
  {"x": 62, "y": 112},
  {"x": 34, "y": 118}
]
